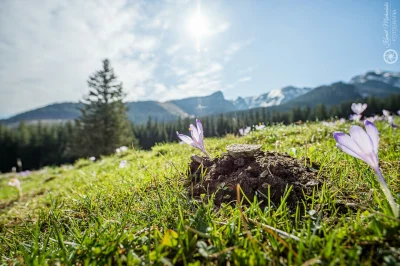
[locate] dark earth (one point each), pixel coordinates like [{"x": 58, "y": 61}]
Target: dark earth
[{"x": 255, "y": 171}]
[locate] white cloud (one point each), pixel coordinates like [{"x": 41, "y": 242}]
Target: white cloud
[
  {"x": 244, "y": 79},
  {"x": 235, "y": 47},
  {"x": 48, "y": 51},
  {"x": 144, "y": 43},
  {"x": 247, "y": 70},
  {"x": 201, "y": 77},
  {"x": 174, "y": 49},
  {"x": 219, "y": 28},
  {"x": 241, "y": 80}
]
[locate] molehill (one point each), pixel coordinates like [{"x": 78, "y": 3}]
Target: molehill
[{"x": 256, "y": 172}]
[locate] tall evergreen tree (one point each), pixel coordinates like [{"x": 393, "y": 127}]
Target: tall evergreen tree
[{"x": 103, "y": 124}]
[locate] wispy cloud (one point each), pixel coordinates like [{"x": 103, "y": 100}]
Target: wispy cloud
[
  {"x": 48, "y": 50},
  {"x": 241, "y": 80},
  {"x": 244, "y": 79},
  {"x": 219, "y": 28},
  {"x": 174, "y": 49},
  {"x": 203, "y": 79},
  {"x": 247, "y": 70},
  {"x": 59, "y": 45},
  {"x": 235, "y": 47}
]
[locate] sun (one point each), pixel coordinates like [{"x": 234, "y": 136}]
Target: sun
[{"x": 198, "y": 25}]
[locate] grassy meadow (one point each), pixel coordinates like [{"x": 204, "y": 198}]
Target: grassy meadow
[{"x": 96, "y": 213}]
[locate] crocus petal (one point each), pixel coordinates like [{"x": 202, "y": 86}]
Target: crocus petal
[
  {"x": 201, "y": 134},
  {"x": 348, "y": 151},
  {"x": 373, "y": 133},
  {"x": 185, "y": 138},
  {"x": 358, "y": 108},
  {"x": 354, "y": 108},
  {"x": 355, "y": 117},
  {"x": 347, "y": 142},
  {"x": 194, "y": 132},
  {"x": 386, "y": 113},
  {"x": 361, "y": 138},
  {"x": 199, "y": 127},
  {"x": 364, "y": 106}
]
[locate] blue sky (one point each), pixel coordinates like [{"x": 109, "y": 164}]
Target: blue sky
[{"x": 245, "y": 48}]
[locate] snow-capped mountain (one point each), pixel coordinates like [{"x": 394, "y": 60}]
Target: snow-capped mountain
[
  {"x": 390, "y": 78},
  {"x": 377, "y": 83},
  {"x": 271, "y": 98}
]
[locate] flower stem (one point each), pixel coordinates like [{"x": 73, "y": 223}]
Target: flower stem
[
  {"x": 206, "y": 153},
  {"x": 387, "y": 192}
]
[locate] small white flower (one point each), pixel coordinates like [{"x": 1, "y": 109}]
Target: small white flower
[
  {"x": 123, "y": 164},
  {"x": 244, "y": 132},
  {"x": 328, "y": 124},
  {"x": 92, "y": 158},
  {"x": 123, "y": 148},
  {"x": 14, "y": 182},
  {"x": 260, "y": 127}
]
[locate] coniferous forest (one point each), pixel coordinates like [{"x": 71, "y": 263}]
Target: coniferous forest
[{"x": 41, "y": 144}]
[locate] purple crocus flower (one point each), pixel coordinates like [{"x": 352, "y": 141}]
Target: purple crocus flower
[
  {"x": 197, "y": 139},
  {"x": 391, "y": 122},
  {"x": 244, "y": 131},
  {"x": 371, "y": 119},
  {"x": 358, "y": 108},
  {"x": 364, "y": 146},
  {"x": 355, "y": 117},
  {"x": 386, "y": 113},
  {"x": 24, "y": 173}
]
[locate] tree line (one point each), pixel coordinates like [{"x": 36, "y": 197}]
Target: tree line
[{"x": 103, "y": 126}]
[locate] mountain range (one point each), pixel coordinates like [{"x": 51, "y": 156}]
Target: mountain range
[{"x": 377, "y": 83}]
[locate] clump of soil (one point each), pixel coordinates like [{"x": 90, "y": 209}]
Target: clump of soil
[{"x": 254, "y": 171}]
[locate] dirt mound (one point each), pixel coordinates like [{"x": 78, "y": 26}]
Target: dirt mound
[{"x": 254, "y": 171}]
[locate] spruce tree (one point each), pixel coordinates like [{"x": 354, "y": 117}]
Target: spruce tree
[{"x": 103, "y": 124}]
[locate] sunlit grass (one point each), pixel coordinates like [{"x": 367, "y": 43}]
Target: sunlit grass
[{"x": 99, "y": 213}]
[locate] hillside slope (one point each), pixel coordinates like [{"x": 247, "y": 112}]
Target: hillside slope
[
  {"x": 138, "y": 112},
  {"x": 99, "y": 213},
  {"x": 329, "y": 95},
  {"x": 202, "y": 106},
  {"x": 56, "y": 111}
]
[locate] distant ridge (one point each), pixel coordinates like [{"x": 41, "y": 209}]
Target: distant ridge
[{"x": 372, "y": 83}]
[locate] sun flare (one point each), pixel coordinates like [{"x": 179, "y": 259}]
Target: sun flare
[{"x": 198, "y": 25}]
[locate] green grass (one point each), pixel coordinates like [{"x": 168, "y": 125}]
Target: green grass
[{"x": 99, "y": 214}]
